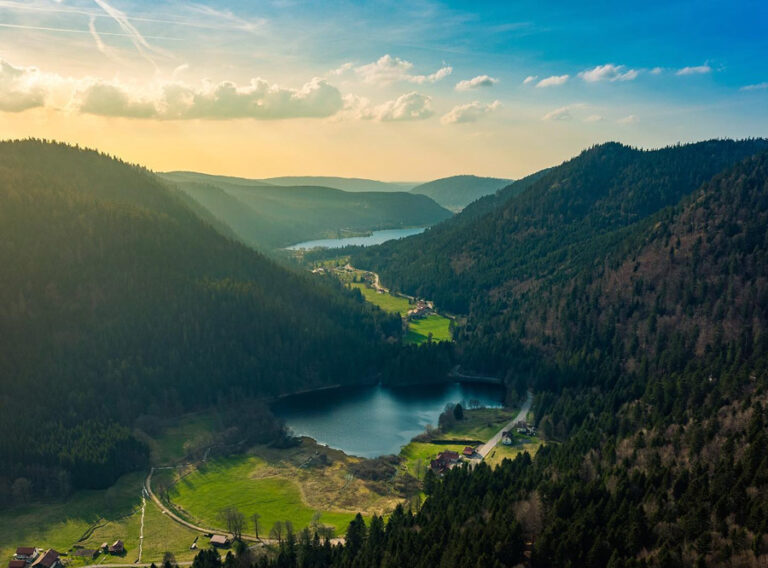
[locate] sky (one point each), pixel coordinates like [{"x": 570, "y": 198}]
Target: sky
[{"x": 405, "y": 91}]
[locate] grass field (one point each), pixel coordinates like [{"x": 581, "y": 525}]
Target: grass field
[
  {"x": 280, "y": 485},
  {"x": 419, "y": 330},
  {"x": 479, "y": 424},
  {"x": 524, "y": 444},
  {"x": 89, "y": 518},
  {"x": 386, "y": 302}
]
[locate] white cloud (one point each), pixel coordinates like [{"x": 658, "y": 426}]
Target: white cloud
[
  {"x": 530, "y": 79},
  {"x": 470, "y": 112},
  {"x": 343, "y": 68},
  {"x": 410, "y": 106},
  {"x": 226, "y": 100},
  {"x": 476, "y": 83},
  {"x": 630, "y": 119},
  {"x": 593, "y": 118},
  {"x": 656, "y": 71},
  {"x": 756, "y": 87},
  {"x": 608, "y": 72},
  {"x": 562, "y": 113},
  {"x": 553, "y": 81},
  {"x": 20, "y": 88},
  {"x": 697, "y": 70},
  {"x": 387, "y": 70}
]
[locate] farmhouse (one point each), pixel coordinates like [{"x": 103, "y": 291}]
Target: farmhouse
[
  {"x": 48, "y": 560},
  {"x": 468, "y": 452},
  {"x": 220, "y": 541},
  {"x": 25, "y": 553},
  {"x": 444, "y": 461},
  {"x": 116, "y": 547},
  {"x": 507, "y": 437},
  {"x": 17, "y": 564}
]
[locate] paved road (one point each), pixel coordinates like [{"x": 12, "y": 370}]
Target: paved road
[{"x": 486, "y": 448}]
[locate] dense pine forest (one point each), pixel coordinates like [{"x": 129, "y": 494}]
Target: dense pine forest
[
  {"x": 628, "y": 289},
  {"x": 117, "y": 301}
]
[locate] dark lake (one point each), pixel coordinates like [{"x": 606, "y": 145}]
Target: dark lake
[{"x": 378, "y": 420}]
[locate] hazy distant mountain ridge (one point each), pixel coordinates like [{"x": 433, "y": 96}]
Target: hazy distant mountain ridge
[
  {"x": 268, "y": 216},
  {"x": 456, "y": 192}
]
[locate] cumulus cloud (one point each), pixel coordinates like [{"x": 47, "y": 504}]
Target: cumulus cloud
[
  {"x": 756, "y": 87},
  {"x": 553, "y": 81},
  {"x": 226, "y": 100},
  {"x": 476, "y": 83},
  {"x": 530, "y": 79},
  {"x": 608, "y": 72},
  {"x": 19, "y": 88},
  {"x": 410, "y": 106},
  {"x": 697, "y": 70},
  {"x": 470, "y": 112},
  {"x": 387, "y": 70},
  {"x": 630, "y": 119},
  {"x": 656, "y": 71}
]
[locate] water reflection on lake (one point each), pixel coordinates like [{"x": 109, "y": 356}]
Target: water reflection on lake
[{"x": 375, "y": 421}]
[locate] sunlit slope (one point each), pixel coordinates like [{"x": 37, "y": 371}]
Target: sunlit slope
[{"x": 270, "y": 217}]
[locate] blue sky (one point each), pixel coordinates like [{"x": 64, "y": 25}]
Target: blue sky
[{"x": 393, "y": 90}]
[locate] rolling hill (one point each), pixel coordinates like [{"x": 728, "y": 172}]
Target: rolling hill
[
  {"x": 456, "y": 192},
  {"x": 123, "y": 302},
  {"x": 271, "y": 217},
  {"x": 344, "y": 184}
]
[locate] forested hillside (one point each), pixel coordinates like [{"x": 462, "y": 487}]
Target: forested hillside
[
  {"x": 266, "y": 216},
  {"x": 456, "y": 192},
  {"x": 117, "y": 300},
  {"x": 556, "y": 222},
  {"x": 631, "y": 295}
]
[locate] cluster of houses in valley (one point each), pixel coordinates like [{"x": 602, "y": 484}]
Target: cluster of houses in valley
[
  {"x": 31, "y": 557},
  {"x": 420, "y": 309},
  {"x": 449, "y": 459},
  {"x": 28, "y": 556},
  {"x": 521, "y": 427}
]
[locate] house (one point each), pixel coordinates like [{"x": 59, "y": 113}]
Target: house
[
  {"x": 468, "y": 452},
  {"x": 17, "y": 564},
  {"x": 25, "y": 553},
  {"x": 507, "y": 437},
  {"x": 116, "y": 547},
  {"x": 48, "y": 560},
  {"x": 220, "y": 541},
  {"x": 104, "y": 547},
  {"x": 444, "y": 461}
]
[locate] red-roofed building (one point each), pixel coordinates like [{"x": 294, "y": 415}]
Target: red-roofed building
[
  {"x": 17, "y": 564},
  {"x": 468, "y": 452},
  {"x": 26, "y": 553}
]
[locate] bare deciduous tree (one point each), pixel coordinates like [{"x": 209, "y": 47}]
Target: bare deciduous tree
[{"x": 234, "y": 521}]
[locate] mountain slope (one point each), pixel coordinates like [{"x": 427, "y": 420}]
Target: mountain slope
[
  {"x": 121, "y": 302},
  {"x": 456, "y": 192},
  {"x": 269, "y": 216},
  {"x": 649, "y": 359},
  {"x": 561, "y": 219}
]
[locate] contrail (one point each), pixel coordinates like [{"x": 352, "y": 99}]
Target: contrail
[
  {"x": 76, "y": 31},
  {"x": 138, "y": 40}
]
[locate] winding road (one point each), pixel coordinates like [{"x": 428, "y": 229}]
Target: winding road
[{"x": 486, "y": 448}]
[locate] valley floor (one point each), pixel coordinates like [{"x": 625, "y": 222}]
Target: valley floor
[{"x": 308, "y": 485}]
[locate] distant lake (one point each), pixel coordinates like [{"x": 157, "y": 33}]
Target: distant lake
[
  {"x": 378, "y": 420},
  {"x": 375, "y": 238}
]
